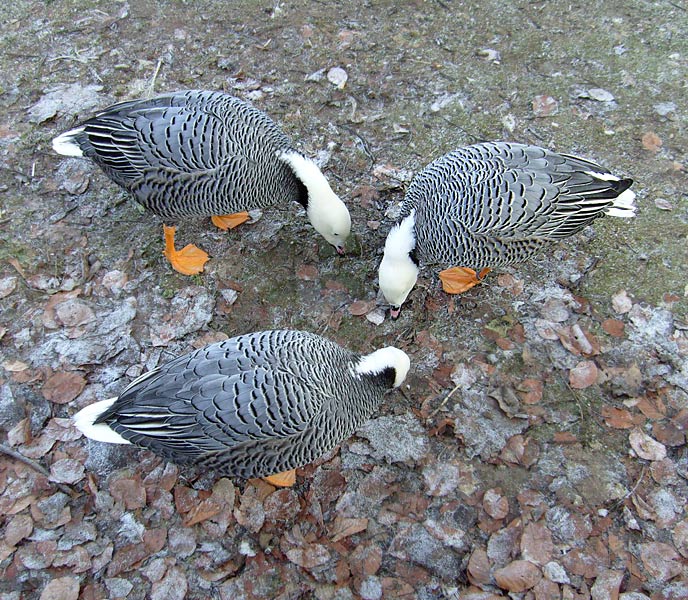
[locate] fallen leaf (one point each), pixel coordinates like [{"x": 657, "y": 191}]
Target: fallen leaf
[
  {"x": 518, "y": 576},
  {"x": 66, "y": 470},
  {"x": 359, "y": 308},
  {"x": 204, "y": 510},
  {"x": 607, "y": 584},
  {"x": 536, "y": 543},
  {"x": 530, "y": 391},
  {"x": 617, "y": 418},
  {"x": 660, "y": 560},
  {"x": 309, "y": 556},
  {"x": 495, "y": 505},
  {"x": 646, "y": 447},
  {"x": 613, "y": 327},
  {"x": 307, "y": 272},
  {"x": 663, "y": 204},
  {"x": 479, "y": 568},
  {"x": 545, "y": 106},
  {"x": 14, "y": 366},
  {"x": 7, "y": 285},
  {"x": 583, "y": 375},
  {"x": 61, "y": 588},
  {"x": 130, "y": 491},
  {"x": 346, "y": 526},
  {"x": 63, "y": 387},
  {"x": 651, "y": 141},
  {"x": 680, "y": 537}
]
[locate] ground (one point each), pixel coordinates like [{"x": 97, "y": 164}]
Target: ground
[{"x": 538, "y": 448}]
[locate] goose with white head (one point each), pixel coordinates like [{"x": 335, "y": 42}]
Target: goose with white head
[
  {"x": 204, "y": 154},
  {"x": 256, "y": 405},
  {"x": 490, "y": 205}
]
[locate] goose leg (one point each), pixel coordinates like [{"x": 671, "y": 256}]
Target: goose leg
[
  {"x": 226, "y": 222},
  {"x": 284, "y": 479},
  {"x": 459, "y": 279},
  {"x": 189, "y": 260}
]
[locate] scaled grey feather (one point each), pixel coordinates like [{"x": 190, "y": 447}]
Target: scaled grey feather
[
  {"x": 498, "y": 203},
  {"x": 192, "y": 153},
  {"x": 251, "y": 406}
]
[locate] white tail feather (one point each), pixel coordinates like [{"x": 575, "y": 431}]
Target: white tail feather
[
  {"x": 623, "y": 206},
  {"x": 101, "y": 433},
  {"x": 64, "y": 144}
]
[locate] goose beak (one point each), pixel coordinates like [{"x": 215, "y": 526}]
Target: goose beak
[
  {"x": 340, "y": 250},
  {"x": 394, "y": 312}
]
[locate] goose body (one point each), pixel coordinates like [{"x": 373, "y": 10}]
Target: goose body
[
  {"x": 490, "y": 205},
  {"x": 205, "y": 154},
  {"x": 251, "y": 406}
]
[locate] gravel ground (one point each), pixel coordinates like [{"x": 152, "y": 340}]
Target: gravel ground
[{"x": 538, "y": 450}]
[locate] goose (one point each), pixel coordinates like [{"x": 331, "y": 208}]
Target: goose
[
  {"x": 200, "y": 153},
  {"x": 256, "y": 405},
  {"x": 489, "y": 205}
]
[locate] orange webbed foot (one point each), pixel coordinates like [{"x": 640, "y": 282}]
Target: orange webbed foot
[
  {"x": 284, "y": 479},
  {"x": 226, "y": 222},
  {"x": 459, "y": 279},
  {"x": 190, "y": 260}
]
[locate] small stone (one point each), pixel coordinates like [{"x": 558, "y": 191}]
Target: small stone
[
  {"x": 376, "y": 316},
  {"x": 599, "y": 94},
  {"x": 555, "y": 572},
  {"x": 621, "y": 303},
  {"x": 337, "y": 77},
  {"x": 7, "y": 285},
  {"x": 664, "y": 109}
]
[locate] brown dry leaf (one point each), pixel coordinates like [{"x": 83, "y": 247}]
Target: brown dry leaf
[
  {"x": 495, "y": 505},
  {"x": 617, "y": 418},
  {"x": 530, "y": 391},
  {"x": 607, "y": 585},
  {"x": 365, "y": 559},
  {"x": 583, "y": 375},
  {"x": 129, "y": 491},
  {"x": 346, "y": 526},
  {"x": 62, "y": 588},
  {"x": 479, "y": 568},
  {"x": 66, "y": 470},
  {"x": 15, "y": 366},
  {"x": 250, "y": 513},
  {"x": 63, "y": 387},
  {"x": 646, "y": 447},
  {"x": 680, "y": 537},
  {"x": 660, "y": 560},
  {"x": 509, "y": 282},
  {"x": 518, "y": 576},
  {"x": 18, "y": 528},
  {"x": 653, "y": 409},
  {"x": 651, "y": 141},
  {"x": 359, "y": 308},
  {"x": 613, "y": 327},
  {"x": 206, "y": 509},
  {"x": 536, "y": 543},
  {"x": 309, "y": 556},
  {"x": 545, "y": 106},
  {"x": 307, "y": 272}
]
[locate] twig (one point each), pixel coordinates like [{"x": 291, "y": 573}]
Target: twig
[
  {"x": 630, "y": 493},
  {"x": 151, "y": 86},
  {"x": 34, "y": 465},
  {"x": 444, "y": 402}
]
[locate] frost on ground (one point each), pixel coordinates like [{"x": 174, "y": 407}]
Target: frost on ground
[{"x": 538, "y": 449}]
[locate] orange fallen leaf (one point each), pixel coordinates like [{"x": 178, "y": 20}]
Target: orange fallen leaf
[
  {"x": 359, "y": 308},
  {"x": 613, "y": 327}
]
